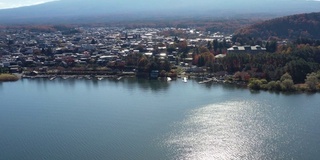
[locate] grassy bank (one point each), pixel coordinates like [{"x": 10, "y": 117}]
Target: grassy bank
[{"x": 8, "y": 77}]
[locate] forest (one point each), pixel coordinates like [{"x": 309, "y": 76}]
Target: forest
[
  {"x": 290, "y": 27},
  {"x": 283, "y": 67},
  {"x": 293, "y": 62}
]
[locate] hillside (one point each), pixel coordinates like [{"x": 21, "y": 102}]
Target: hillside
[{"x": 289, "y": 27}]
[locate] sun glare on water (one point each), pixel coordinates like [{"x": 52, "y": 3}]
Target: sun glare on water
[{"x": 221, "y": 131}]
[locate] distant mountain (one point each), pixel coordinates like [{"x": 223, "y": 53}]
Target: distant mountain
[
  {"x": 289, "y": 27},
  {"x": 106, "y": 10}
]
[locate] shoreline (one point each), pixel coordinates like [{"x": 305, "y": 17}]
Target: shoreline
[
  {"x": 199, "y": 80},
  {"x": 203, "y": 80}
]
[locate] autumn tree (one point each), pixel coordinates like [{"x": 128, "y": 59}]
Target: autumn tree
[
  {"x": 143, "y": 64},
  {"x": 312, "y": 81},
  {"x": 286, "y": 82}
]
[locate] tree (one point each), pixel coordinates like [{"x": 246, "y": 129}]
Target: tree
[
  {"x": 220, "y": 46},
  {"x": 285, "y": 77},
  {"x": 171, "y": 48},
  {"x": 298, "y": 69},
  {"x": 209, "y": 45},
  {"x": 183, "y": 46},
  {"x": 140, "y": 48},
  {"x": 176, "y": 40},
  {"x": 274, "y": 86},
  {"x": 165, "y": 66},
  {"x": 287, "y": 85},
  {"x": 215, "y": 45},
  {"x": 153, "y": 66},
  {"x": 286, "y": 82},
  {"x": 142, "y": 64},
  {"x": 206, "y": 58},
  {"x": 93, "y": 41},
  {"x": 201, "y": 61},
  {"x": 312, "y": 81},
  {"x": 271, "y": 46},
  {"x": 49, "y": 51},
  {"x": 257, "y": 84}
]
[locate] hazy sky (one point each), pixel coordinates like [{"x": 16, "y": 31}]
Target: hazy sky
[{"x": 20, "y": 3}]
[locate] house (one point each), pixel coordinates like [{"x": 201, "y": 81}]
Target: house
[
  {"x": 219, "y": 56},
  {"x": 246, "y": 49},
  {"x": 6, "y": 64},
  {"x": 149, "y": 54}
]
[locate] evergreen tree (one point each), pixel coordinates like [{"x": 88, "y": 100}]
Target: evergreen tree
[
  {"x": 215, "y": 45},
  {"x": 271, "y": 46},
  {"x": 209, "y": 45}
]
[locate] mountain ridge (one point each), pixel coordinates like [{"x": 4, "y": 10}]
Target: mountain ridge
[{"x": 67, "y": 10}]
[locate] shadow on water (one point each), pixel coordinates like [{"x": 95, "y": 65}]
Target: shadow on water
[
  {"x": 283, "y": 93},
  {"x": 233, "y": 87},
  {"x": 146, "y": 84},
  {"x": 255, "y": 91},
  {"x": 229, "y": 87}
]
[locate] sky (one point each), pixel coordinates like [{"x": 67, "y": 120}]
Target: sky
[
  {"x": 5, "y": 4},
  {"x": 152, "y": 5}
]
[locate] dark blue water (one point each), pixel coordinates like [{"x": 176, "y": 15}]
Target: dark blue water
[{"x": 142, "y": 119}]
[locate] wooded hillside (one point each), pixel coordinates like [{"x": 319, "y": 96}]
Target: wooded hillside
[{"x": 289, "y": 27}]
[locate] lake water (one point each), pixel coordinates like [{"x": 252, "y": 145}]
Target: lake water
[{"x": 142, "y": 119}]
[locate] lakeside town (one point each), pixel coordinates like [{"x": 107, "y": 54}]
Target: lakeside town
[
  {"x": 95, "y": 52},
  {"x": 103, "y": 51}
]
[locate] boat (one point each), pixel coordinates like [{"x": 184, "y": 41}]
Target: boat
[
  {"x": 169, "y": 79},
  {"x": 88, "y": 77},
  {"x": 119, "y": 78},
  {"x": 206, "y": 81},
  {"x": 100, "y": 78},
  {"x": 52, "y": 78},
  {"x": 185, "y": 80}
]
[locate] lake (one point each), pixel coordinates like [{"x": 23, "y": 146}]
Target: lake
[{"x": 141, "y": 119}]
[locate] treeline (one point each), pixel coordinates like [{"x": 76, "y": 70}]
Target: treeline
[
  {"x": 309, "y": 41},
  {"x": 297, "y": 60},
  {"x": 312, "y": 83},
  {"x": 145, "y": 64},
  {"x": 65, "y": 29},
  {"x": 212, "y": 25},
  {"x": 283, "y": 70}
]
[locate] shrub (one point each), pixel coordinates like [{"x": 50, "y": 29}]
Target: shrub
[
  {"x": 312, "y": 81},
  {"x": 8, "y": 77},
  {"x": 257, "y": 84},
  {"x": 287, "y": 85}
]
